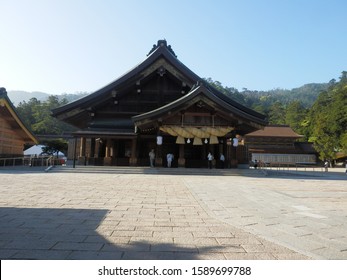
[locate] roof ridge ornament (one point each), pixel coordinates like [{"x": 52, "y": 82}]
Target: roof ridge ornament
[
  {"x": 3, "y": 91},
  {"x": 162, "y": 43},
  {"x": 199, "y": 83}
]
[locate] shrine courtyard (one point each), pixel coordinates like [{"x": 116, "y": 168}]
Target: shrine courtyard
[{"x": 152, "y": 213}]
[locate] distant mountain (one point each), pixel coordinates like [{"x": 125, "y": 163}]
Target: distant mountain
[
  {"x": 306, "y": 94},
  {"x": 17, "y": 96}
]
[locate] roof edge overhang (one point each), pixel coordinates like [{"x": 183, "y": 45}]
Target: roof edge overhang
[
  {"x": 274, "y": 136},
  {"x": 186, "y": 100},
  {"x": 290, "y": 133},
  {"x": 101, "y": 133}
]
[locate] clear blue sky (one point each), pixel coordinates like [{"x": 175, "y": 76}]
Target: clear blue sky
[{"x": 68, "y": 46}]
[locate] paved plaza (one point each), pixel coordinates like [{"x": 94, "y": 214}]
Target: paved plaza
[{"x": 153, "y": 213}]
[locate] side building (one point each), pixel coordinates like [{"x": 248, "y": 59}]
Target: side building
[
  {"x": 13, "y": 132},
  {"x": 162, "y": 105},
  {"x": 279, "y": 145}
]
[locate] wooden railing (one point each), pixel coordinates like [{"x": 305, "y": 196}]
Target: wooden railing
[{"x": 297, "y": 166}]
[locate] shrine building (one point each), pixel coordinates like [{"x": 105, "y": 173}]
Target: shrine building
[
  {"x": 160, "y": 104},
  {"x": 13, "y": 132}
]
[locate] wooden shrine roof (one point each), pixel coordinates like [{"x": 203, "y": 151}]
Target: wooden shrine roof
[
  {"x": 161, "y": 50},
  {"x": 203, "y": 93},
  {"x": 161, "y": 57},
  {"x": 8, "y": 113},
  {"x": 275, "y": 131}
]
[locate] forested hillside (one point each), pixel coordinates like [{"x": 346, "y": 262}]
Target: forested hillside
[
  {"x": 273, "y": 102},
  {"x": 316, "y": 111}
]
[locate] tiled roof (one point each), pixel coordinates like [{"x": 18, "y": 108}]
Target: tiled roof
[{"x": 275, "y": 131}]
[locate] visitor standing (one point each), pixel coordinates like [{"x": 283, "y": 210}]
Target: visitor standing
[
  {"x": 209, "y": 159},
  {"x": 169, "y": 158},
  {"x": 222, "y": 160},
  {"x": 151, "y": 157}
]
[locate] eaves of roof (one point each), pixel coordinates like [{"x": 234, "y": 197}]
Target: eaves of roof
[
  {"x": 201, "y": 89},
  {"x": 103, "y": 133},
  {"x": 234, "y": 103},
  {"x": 278, "y": 131}
]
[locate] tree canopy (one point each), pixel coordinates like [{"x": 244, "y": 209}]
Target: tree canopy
[
  {"x": 36, "y": 115},
  {"x": 316, "y": 111},
  {"x": 327, "y": 120}
]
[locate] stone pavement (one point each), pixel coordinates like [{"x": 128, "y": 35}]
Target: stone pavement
[
  {"x": 306, "y": 214},
  {"x": 143, "y": 213}
]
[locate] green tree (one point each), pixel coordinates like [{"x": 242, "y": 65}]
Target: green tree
[
  {"x": 53, "y": 147},
  {"x": 295, "y": 116},
  {"x": 328, "y": 120},
  {"x": 344, "y": 143},
  {"x": 277, "y": 113},
  {"x": 27, "y": 111},
  {"x": 231, "y": 92},
  {"x": 37, "y": 116}
]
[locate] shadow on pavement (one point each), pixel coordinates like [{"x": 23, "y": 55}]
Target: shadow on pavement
[{"x": 57, "y": 234}]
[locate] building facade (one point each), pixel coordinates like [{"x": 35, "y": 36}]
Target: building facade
[
  {"x": 159, "y": 105},
  {"x": 279, "y": 145}
]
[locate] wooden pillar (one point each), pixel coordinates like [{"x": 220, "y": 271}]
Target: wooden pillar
[
  {"x": 97, "y": 148},
  {"x": 115, "y": 148},
  {"x": 228, "y": 152},
  {"x": 82, "y": 157},
  {"x": 181, "y": 159},
  {"x": 74, "y": 152},
  {"x": 92, "y": 155},
  {"x": 234, "y": 161},
  {"x": 159, "y": 157},
  {"x": 225, "y": 152},
  {"x": 108, "y": 152},
  {"x": 133, "y": 156},
  {"x": 92, "y": 147},
  {"x": 83, "y": 147}
]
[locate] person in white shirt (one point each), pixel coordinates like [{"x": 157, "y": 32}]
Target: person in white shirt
[
  {"x": 169, "y": 158},
  {"x": 151, "y": 157},
  {"x": 222, "y": 159},
  {"x": 209, "y": 159}
]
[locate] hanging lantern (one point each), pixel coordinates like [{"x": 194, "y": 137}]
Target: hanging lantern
[
  {"x": 159, "y": 140},
  {"x": 188, "y": 141},
  {"x": 206, "y": 141}
]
